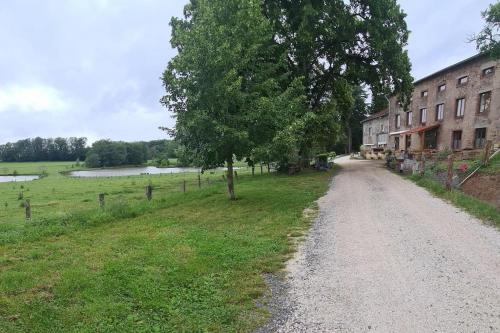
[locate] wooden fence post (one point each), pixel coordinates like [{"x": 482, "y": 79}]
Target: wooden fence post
[
  {"x": 261, "y": 168},
  {"x": 422, "y": 166},
  {"x": 487, "y": 152},
  {"x": 253, "y": 170},
  {"x": 199, "y": 181},
  {"x": 149, "y": 192},
  {"x": 184, "y": 186},
  {"x": 449, "y": 176},
  {"x": 27, "y": 206},
  {"x": 101, "y": 200}
]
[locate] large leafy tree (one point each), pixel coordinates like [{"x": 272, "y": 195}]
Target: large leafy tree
[
  {"x": 223, "y": 82},
  {"x": 338, "y": 45},
  {"x": 488, "y": 40}
]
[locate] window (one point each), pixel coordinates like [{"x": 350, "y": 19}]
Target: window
[
  {"x": 442, "y": 87},
  {"x": 382, "y": 128},
  {"x": 396, "y": 143},
  {"x": 484, "y": 102},
  {"x": 480, "y": 138},
  {"x": 439, "y": 112},
  {"x": 398, "y": 121},
  {"x": 460, "y": 108},
  {"x": 409, "y": 118},
  {"x": 489, "y": 71},
  {"x": 463, "y": 80},
  {"x": 423, "y": 116},
  {"x": 456, "y": 140},
  {"x": 430, "y": 139},
  {"x": 369, "y": 131},
  {"x": 408, "y": 141},
  {"x": 424, "y": 93}
]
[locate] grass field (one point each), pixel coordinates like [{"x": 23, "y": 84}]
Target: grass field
[{"x": 184, "y": 262}]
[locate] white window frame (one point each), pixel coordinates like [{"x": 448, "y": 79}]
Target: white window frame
[
  {"x": 483, "y": 107},
  {"x": 460, "y": 109},
  {"x": 423, "y": 115},
  {"x": 440, "y": 111}
]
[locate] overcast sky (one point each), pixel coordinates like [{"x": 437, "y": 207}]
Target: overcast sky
[{"x": 91, "y": 67}]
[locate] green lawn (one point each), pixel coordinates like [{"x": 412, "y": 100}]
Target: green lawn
[{"x": 188, "y": 262}]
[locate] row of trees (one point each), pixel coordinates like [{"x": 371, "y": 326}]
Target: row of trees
[
  {"x": 107, "y": 153},
  {"x": 39, "y": 149},
  {"x": 73, "y": 149},
  {"x": 279, "y": 80}
]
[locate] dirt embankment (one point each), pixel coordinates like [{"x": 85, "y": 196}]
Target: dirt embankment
[{"x": 485, "y": 187}]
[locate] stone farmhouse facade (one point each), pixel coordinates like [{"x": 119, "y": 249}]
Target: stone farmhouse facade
[
  {"x": 376, "y": 130},
  {"x": 456, "y": 108}
]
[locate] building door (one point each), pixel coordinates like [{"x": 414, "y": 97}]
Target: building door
[
  {"x": 456, "y": 140},
  {"x": 430, "y": 139},
  {"x": 479, "y": 138}
]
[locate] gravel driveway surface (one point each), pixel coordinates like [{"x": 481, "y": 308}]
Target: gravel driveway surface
[{"x": 386, "y": 256}]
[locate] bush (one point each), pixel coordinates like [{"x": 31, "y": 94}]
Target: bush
[{"x": 443, "y": 154}]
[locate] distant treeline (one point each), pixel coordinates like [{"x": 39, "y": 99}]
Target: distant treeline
[
  {"x": 107, "y": 153},
  {"x": 39, "y": 149},
  {"x": 102, "y": 153}
]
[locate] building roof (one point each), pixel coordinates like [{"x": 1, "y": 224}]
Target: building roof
[
  {"x": 415, "y": 130},
  {"x": 424, "y": 128},
  {"x": 376, "y": 115},
  {"x": 451, "y": 67}
]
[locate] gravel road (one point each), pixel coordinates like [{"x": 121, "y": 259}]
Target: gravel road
[{"x": 386, "y": 256}]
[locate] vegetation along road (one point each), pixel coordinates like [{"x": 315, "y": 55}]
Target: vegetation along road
[
  {"x": 182, "y": 262},
  {"x": 386, "y": 256}
]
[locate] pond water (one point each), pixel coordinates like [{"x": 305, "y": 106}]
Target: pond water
[
  {"x": 24, "y": 178},
  {"x": 135, "y": 171}
]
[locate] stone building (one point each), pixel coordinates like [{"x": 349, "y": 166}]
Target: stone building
[
  {"x": 376, "y": 130},
  {"x": 457, "y": 108}
]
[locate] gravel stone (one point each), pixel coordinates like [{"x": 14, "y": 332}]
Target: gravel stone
[{"x": 386, "y": 256}]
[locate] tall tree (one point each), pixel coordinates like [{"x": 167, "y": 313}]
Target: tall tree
[
  {"x": 337, "y": 45},
  {"x": 224, "y": 73},
  {"x": 488, "y": 40}
]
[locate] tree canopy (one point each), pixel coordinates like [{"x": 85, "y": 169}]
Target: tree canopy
[
  {"x": 275, "y": 80},
  {"x": 223, "y": 76},
  {"x": 488, "y": 40},
  {"x": 106, "y": 153},
  {"x": 40, "y": 149}
]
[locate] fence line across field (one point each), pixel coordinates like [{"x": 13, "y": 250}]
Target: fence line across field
[{"x": 149, "y": 189}]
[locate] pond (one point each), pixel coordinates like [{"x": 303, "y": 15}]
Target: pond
[
  {"x": 133, "y": 171},
  {"x": 23, "y": 178}
]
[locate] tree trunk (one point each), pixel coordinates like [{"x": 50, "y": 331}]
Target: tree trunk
[
  {"x": 230, "y": 180},
  {"x": 349, "y": 140}
]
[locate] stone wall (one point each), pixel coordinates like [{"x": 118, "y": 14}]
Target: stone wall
[{"x": 426, "y": 95}]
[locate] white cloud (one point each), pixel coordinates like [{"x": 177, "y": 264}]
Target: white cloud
[{"x": 38, "y": 98}]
